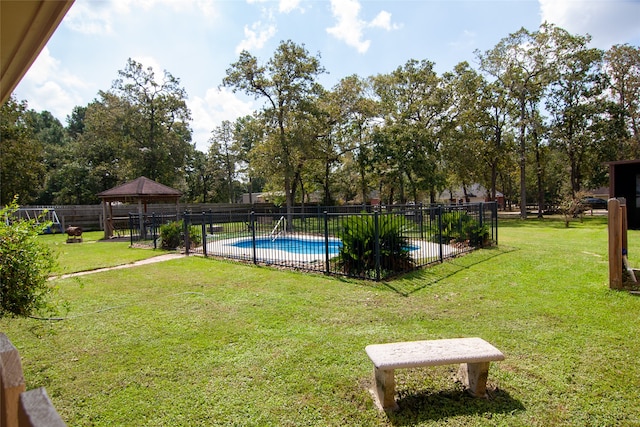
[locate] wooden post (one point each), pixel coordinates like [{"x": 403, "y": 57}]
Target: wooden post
[
  {"x": 615, "y": 244},
  {"x": 11, "y": 382},
  {"x": 36, "y": 410}
]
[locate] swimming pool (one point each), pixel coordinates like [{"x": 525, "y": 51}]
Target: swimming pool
[
  {"x": 297, "y": 249},
  {"x": 294, "y": 245}
]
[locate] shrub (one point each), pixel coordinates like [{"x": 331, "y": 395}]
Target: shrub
[
  {"x": 172, "y": 235},
  {"x": 195, "y": 235},
  {"x": 357, "y": 255},
  {"x": 25, "y": 265},
  {"x": 453, "y": 224},
  {"x": 476, "y": 233}
]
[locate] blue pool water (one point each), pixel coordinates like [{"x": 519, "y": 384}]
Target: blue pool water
[{"x": 295, "y": 245}]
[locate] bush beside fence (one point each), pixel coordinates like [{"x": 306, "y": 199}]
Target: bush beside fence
[{"x": 372, "y": 245}]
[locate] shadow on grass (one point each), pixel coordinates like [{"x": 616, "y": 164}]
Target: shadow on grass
[
  {"x": 429, "y": 406},
  {"x": 420, "y": 279}
]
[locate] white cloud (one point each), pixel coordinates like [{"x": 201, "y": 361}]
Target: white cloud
[
  {"x": 284, "y": 6},
  {"x": 209, "y": 112},
  {"x": 608, "y": 22},
  {"x": 256, "y": 36},
  {"x": 49, "y": 87},
  {"x": 90, "y": 17},
  {"x": 350, "y": 28},
  {"x": 287, "y": 6},
  {"x": 383, "y": 20},
  {"x": 97, "y": 17}
]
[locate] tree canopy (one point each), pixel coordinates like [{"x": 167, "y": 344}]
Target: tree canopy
[{"x": 536, "y": 120}]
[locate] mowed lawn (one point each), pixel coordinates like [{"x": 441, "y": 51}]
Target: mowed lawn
[{"x": 200, "y": 342}]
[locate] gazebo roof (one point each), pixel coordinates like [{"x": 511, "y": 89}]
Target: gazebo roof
[{"x": 141, "y": 189}]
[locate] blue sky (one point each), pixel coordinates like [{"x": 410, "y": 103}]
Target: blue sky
[{"x": 197, "y": 40}]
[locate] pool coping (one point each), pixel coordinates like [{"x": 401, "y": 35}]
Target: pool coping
[{"x": 225, "y": 248}]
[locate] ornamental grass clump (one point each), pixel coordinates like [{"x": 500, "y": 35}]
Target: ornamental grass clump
[
  {"x": 361, "y": 239},
  {"x": 462, "y": 227}
]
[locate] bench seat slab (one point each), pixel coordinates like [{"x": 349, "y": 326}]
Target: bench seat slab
[{"x": 416, "y": 354}]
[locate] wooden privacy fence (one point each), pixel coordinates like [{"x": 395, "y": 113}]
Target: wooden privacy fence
[{"x": 20, "y": 408}]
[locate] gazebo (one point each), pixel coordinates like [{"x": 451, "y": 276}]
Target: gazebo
[{"x": 141, "y": 191}]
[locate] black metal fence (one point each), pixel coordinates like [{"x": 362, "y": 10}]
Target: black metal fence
[{"x": 374, "y": 244}]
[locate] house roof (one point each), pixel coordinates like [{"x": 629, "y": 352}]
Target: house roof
[
  {"x": 141, "y": 188},
  {"x": 25, "y": 28},
  {"x": 473, "y": 190}
]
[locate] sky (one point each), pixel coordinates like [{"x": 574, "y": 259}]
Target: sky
[{"x": 198, "y": 40}]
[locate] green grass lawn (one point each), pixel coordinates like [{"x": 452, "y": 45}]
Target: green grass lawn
[
  {"x": 92, "y": 253},
  {"x": 199, "y": 342}
]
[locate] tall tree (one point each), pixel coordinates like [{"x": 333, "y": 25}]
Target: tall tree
[
  {"x": 222, "y": 152},
  {"x": 573, "y": 102},
  {"x": 155, "y": 126},
  {"x": 75, "y": 122},
  {"x": 415, "y": 107},
  {"x": 622, "y": 65},
  {"x": 248, "y": 132},
  {"x": 287, "y": 84},
  {"x": 199, "y": 178},
  {"x": 463, "y": 137},
  {"x": 51, "y": 134},
  {"x": 100, "y": 148},
  {"x": 519, "y": 62},
  {"x": 22, "y": 169},
  {"x": 353, "y": 115}
]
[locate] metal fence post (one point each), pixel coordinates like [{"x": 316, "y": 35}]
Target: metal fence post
[
  {"x": 494, "y": 224},
  {"x": 376, "y": 216},
  {"x": 204, "y": 234},
  {"x": 439, "y": 213},
  {"x": 154, "y": 229},
  {"x": 326, "y": 241},
  {"x": 187, "y": 242},
  {"x": 420, "y": 212},
  {"x": 252, "y": 225},
  {"x": 131, "y": 228}
]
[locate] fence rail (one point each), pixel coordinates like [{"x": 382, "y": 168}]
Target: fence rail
[{"x": 372, "y": 245}]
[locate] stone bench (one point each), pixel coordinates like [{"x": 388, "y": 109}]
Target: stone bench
[{"x": 473, "y": 354}]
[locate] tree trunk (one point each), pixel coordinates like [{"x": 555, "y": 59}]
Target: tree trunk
[{"x": 523, "y": 158}]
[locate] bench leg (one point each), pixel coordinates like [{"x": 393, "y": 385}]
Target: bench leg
[
  {"x": 384, "y": 389},
  {"x": 474, "y": 377}
]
